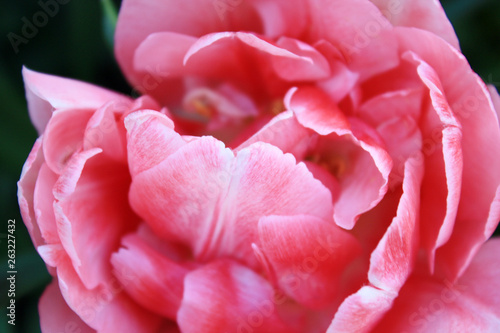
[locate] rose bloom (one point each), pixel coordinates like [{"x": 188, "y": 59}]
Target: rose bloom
[{"x": 291, "y": 166}]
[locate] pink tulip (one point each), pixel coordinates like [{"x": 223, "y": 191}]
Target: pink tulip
[{"x": 292, "y": 166}]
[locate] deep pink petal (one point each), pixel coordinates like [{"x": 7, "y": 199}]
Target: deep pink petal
[
  {"x": 64, "y": 136},
  {"x": 389, "y": 105},
  {"x": 47, "y": 93},
  {"x": 361, "y": 311},
  {"x": 150, "y": 140},
  {"x": 403, "y": 140},
  {"x": 225, "y": 296},
  {"x": 205, "y": 198},
  {"x": 162, "y": 55},
  {"x": 314, "y": 110},
  {"x": 423, "y": 14},
  {"x": 468, "y": 97},
  {"x": 192, "y": 18},
  {"x": 105, "y": 308},
  {"x": 56, "y": 316},
  {"x": 289, "y": 69},
  {"x": 268, "y": 182},
  {"x": 368, "y": 164},
  {"x": 43, "y": 204},
  {"x": 310, "y": 270},
  {"x": 26, "y": 190},
  {"x": 179, "y": 197},
  {"x": 392, "y": 261},
  {"x": 282, "y": 17},
  {"x": 102, "y": 131},
  {"x": 92, "y": 213},
  {"x": 359, "y": 30},
  {"x": 151, "y": 279},
  {"x": 296, "y": 141},
  {"x": 469, "y": 305},
  {"x": 390, "y": 264}
]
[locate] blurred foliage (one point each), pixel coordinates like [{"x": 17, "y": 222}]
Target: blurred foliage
[{"x": 75, "y": 43}]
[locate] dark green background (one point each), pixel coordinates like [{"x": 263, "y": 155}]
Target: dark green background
[{"x": 73, "y": 44}]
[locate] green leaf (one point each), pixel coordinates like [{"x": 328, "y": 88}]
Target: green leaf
[{"x": 109, "y": 18}]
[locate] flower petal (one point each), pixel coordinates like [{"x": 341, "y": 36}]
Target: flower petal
[
  {"x": 224, "y": 296},
  {"x": 359, "y": 30},
  {"x": 150, "y": 140},
  {"x": 203, "y": 197},
  {"x": 64, "y": 136},
  {"x": 192, "y": 18},
  {"x": 56, "y": 315},
  {"x": 93, "y": 213},
  {"x": 473, "y": 108},
  {"x": 422, "y": 14},
  {"x": 43, "y": 204},
  {"x": 296, "y": 140},
  {"x": 392, "y": 261},
  {"x": 47, "y": 93},
  {"x": 105, "y": 308},
  {"x": 151, "y": 279},
  {"x": 469, "y": 305},
  {"x": 310, "y": 270},
  {"x": 26, "y": 191},
  {"x": 361, "y": 311}
]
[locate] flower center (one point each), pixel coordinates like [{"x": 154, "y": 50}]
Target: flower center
[{"x": 336, "y": 164}]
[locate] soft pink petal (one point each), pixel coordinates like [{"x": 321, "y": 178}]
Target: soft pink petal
[
  {"x": 103, "y": 132},
  {"x": 359, "y": 30},
  {"x": 391, "y": 105},
  {"x": 26, "y": 189},
  {"x": 403, "y": 140},
  {"x": 309, "y": 271},
  {"x": 469, "y": 305},
  {"x": 390, "y": 264},
  {"x": 267, "y": 182},
  {"x": 56, "y": 316},
  {"x": 368, "y": 164},
  {"x": 296, "y": 141},
  {"x": 226, "y": 296},
  {"x": 43, "y": 204},
  {"x": 472, "y": 106},
  {"x": 423, "y": 14},
  {"x": 151, "y": 279},
  {"x": 495, "y": 98},
  {"x": 361, "y": 311},
  {"x": 292, "y": 70},
  {"x": 190, "y": 17},
  {"x": 92, "y": 213},
  {"x": 282, "y": 17},
  {"x": 162, "y": 54},
  {"x": 444, "y": 157},
  {"x": 105, "y": 308},
  {"x": 342, "y": 80},
  {"x": 150, "y": 140},
  {"x": 52, "y": 254},
  {"x": 367, "y": 183},
  {"x": 392, "y": 261},
  {"x": 179, "y": 197},
  {"x": 47, "y": 93},
  {"x": 64, "y": 136},
  {"x": 314, "y": 110},
  {"x": 205, "y": 198}
]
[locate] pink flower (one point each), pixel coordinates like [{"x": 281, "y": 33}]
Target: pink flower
[{"x": 293, "y": 166}]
